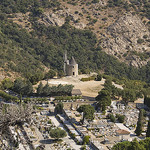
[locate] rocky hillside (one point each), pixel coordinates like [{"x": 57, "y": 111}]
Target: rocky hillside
[
  {"x": 128, "y": 39},
  {"x": 120, "y": 30},
  {"x": 35, "y": 33}
]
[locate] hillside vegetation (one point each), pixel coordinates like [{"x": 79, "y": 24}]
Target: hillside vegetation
[{"x": 31, "y": 47}]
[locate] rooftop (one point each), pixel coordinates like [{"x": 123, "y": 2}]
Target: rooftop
[
  {"x": 122, "y": 132},
  {"x": 76, "y": 92}
]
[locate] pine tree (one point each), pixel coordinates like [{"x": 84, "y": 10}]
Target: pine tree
[{"x": 148, "y": 129}]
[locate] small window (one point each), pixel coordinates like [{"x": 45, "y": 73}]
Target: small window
[{"x": 73, "y": 73}]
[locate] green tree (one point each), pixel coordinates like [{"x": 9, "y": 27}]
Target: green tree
[
  {"x": 7, "y": 84},
  {"x": 38, "y": 11},
  {"x": 121, "y": 118},
  {"x": 128, "y": 95},
  {"x": 146, "y": 143},
  {"x": 135, "y": 145},
  {"x": 23, "y": 87},
  {"x": 103, "y": 99},
  {"x": 8, "y": 97},
  {"x": 148, "y": 129},
  {"x": 50, "y": 74},
  {"x": 88, "y": 112},
  {"x": 112, "y": 117},
  {"x": 57, "y": 133},
  {"x": 121, "y": 146},
  {"x": 59, "y": 108},
  {"x": 40, "y": 89},
  {"x": 19, "y": 86},
  {"x": 139, "y": 127},
  {"x": 86, "y": 139},
  {"x": 83, "y": 147},
  {"x": 36, "y": 77},
  {"x": 95, "y": 1},
  {"x": 61, "y": 74},
  {"x": 138, "y": 130},
  {"x": 147, "y": 101},
  {"x": 99, "y": 77},
  {"x": 108, "y": 83},
  {"x": 28, "y": 89},
  {"x": 46, "y": 90}
]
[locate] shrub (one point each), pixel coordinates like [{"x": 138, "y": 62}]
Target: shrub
[
  {"x": 8, "y": 97},
  {"x": 120, "y": 118},
  {"x": 112, "y": 117},
  {"x": 99, "y": 77},
  {"x": 57, "y": 133},
  {"x": 86, "y": 139},
  {"x": 76, "y": 12},
  {"x": 49, "y": 122},
  {"x": 95, "y": 1},
  {"x": 140, "y": 41},
  {"x": 88, "y": 79},
  {"x": 145, "y": 36},
  {"x": 104, "y": 19}
]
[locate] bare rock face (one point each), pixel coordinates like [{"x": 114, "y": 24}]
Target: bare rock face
[
  {"x": 58, "y": 19},
  {"x": 136, "y": 61},
  {"x": 79, "y": 25},
  {"x": 128, "y": 34},
  {"x": 53, "y": 19}
]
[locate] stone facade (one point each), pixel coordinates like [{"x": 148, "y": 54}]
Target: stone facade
[{"x": 70, "y": 67}]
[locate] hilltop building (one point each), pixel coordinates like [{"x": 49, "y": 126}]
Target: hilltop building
[{"x": 70, "y": 67}]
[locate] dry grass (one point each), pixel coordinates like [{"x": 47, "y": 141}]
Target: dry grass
[{"x": 89, "y": 88}]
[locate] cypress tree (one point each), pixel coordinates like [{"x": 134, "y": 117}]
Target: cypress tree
[
  {"x": 148, "y": 129},
  {"x": 138, "y": 130},
  {"x": 139, "y": 127},
  {"x": 40, "y": 89},
  {"x": 59, "y": 108}
]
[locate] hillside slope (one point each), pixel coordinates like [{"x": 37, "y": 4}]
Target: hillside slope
[
  {"x": 35, "y": 35},
  {"x": 122, "y": 28}
]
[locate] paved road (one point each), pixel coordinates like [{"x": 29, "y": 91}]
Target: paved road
[{"x": 67, "y": 139}]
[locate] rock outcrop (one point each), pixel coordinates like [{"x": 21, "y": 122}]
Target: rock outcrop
[
  {"x": 58, "y": 19},
  {"x": 126, "y": 36},
  {"x": 54, "y": 19}
]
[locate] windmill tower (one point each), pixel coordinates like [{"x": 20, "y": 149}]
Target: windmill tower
[{"x": 70, "y": 67}]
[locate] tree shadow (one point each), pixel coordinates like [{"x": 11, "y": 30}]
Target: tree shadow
[
  {"x": 46, "y": 141},
  {"x": 50, "y": 141},
  {"x": 89, "y": 98}
]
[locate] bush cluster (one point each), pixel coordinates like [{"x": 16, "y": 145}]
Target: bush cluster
[{"x": 88, "y": 79}]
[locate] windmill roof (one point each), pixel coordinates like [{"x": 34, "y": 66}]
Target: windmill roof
[{"x": 72, "y": 61}]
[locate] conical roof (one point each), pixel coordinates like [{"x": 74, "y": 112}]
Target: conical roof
[{"x": 72, "y": 61}]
